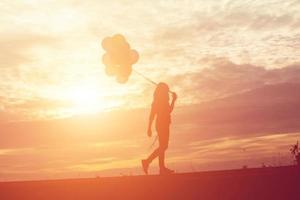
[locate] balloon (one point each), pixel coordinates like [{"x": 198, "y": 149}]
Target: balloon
[
  {"x": 124, "y": 71},
  {"x": 106, "y": 43},
  {"x": 107, "y": 60},
  {"x": 119, "y": 43},
  {"x": 118, "y": 58},
  {"x": 110, "y": 71},
  {"x": 134, "y": 56},
  {"x": 122, "y": 79},
  {"x": 119, "y": 38},
  {"x": 121, "y": 58}
]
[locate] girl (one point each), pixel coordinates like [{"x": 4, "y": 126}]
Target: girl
[{"x": 161, "y": 109}]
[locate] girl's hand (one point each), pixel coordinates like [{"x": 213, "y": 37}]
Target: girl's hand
[
  {"x": 149, "y": 132},
  {"x": 174, "y": 96}
]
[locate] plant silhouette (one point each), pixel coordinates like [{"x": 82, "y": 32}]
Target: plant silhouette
[{"x": 296, "y": 153}]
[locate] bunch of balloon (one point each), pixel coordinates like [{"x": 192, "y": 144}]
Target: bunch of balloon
[{"x": 119, "y": 57}]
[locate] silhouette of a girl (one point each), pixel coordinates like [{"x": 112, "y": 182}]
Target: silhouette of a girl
[{"x": 161, "y": 109}]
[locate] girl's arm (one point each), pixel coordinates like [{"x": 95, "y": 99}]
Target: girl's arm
[
  {"x": 174, "y": 97},
  {"x": 151, "y": 118}
]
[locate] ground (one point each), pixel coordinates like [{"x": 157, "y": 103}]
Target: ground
[{"x": 261, "y": 183}]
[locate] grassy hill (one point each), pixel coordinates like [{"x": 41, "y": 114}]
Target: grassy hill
[{"x": 261, "y": 183}]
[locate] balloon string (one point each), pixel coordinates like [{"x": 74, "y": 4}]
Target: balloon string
[
  {"x": 153, "y": 143},
  {"x": 148, "y": 79},
  {"x": 145, "y": 77}
]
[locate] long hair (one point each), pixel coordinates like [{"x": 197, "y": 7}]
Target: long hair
[{"x": 161, "y": 95}]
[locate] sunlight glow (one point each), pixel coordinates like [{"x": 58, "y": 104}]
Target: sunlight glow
[{"x": 85, "y": 99}]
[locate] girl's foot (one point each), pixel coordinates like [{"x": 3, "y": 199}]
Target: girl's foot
[
  {"x": 145, "y": 166},
  {"x": 166, "y": 171}
]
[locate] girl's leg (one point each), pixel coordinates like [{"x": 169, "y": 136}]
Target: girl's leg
[
  {"x": 163, "y": 146},
  {"x": 163, "y": 140},
  {"x": 153, "y": 155},
  {"x": 145, "y": 163},
  {"x": 161, "y": 158},
  {"x": 163, "y": 137}
]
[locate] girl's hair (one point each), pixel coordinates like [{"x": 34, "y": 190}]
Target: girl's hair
[{"x": 161, "y": 94}]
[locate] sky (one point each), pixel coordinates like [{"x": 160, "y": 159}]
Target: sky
[{"x": 233, "y": 63}]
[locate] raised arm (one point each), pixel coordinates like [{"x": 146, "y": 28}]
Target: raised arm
[
  {"x": 151, "y": 119},
  {"x": 174, "y": 97}
]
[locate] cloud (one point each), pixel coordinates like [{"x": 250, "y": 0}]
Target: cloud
[
  {"x": 201, "y": 133},
  {"x": 222, "y": 78},
  {"x": 16, "y": 61},
  {"x": 235, "y": 152},
  {"x": 15, "y": 48},
  {"x": 266, "y": 110},
  {"x": 235, "y": 15},
  {"x": 229, "y": 28},
  {"x": 171, "y": 38},
  {"x": 96, "y": 128}
]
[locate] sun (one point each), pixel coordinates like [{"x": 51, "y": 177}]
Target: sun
[{"x": 85, "y": 99}]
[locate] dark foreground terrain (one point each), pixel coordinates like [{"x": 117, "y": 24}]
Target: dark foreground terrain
[{"x": 264, "y": 183}]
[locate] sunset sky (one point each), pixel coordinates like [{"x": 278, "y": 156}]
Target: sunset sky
[{"x": 235, "y": 65}]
